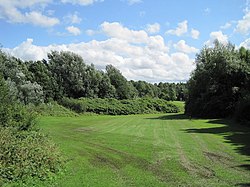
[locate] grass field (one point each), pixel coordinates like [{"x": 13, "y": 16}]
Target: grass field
[{"x": 150, "y": 150}]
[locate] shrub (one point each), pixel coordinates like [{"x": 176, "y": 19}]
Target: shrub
[
  {"x": 51, "y": 109},
  {"x": 26, "y": 154},
  {"x": 119, "y": 107},
  {"x": 24, "y": 151}
]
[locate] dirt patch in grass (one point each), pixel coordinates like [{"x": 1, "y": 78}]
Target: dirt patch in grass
[
  {"x": 216, "y": 157},
  {"x": 117, "y": 160},
  {"x": 158, "y": 169},
  {"x": 196, "y": 169}
]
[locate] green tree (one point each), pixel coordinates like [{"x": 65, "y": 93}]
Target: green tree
[
  {"x": 216, "y": 84},
  {"x": 106, "y": 89},
  {"x": 68, "y": 69},
  {"x": 124, "y": 89},
  {"x": 39, "y": 72}
]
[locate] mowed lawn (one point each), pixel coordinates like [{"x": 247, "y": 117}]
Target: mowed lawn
[{"x": 150, "y": 150}]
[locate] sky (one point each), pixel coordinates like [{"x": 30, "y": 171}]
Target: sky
[{"x": 151, "y": 40}]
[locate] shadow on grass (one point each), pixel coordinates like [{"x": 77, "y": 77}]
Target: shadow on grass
[
  {"x": 243, "y": 184},
  {"x": 233, "y": 133}
]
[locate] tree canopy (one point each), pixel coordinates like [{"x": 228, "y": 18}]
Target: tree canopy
[
  {"x": 220, "y": 80},
  {"x": 65, "y": 74}
]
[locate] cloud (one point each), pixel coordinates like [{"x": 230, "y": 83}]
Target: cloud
[
  {"x": 11, "y": 11},
  {"x": 217, "y": 35},
  {"x": 226, "y": 26},
  {"x": 116, "y": 30},
  {"x": 73, "y": 30},
  {"x": 28, "y": 51},
  {"x": 138, "y": 55},
  {"x": 131, "y": 2},
  {"x": 246, "y": 43},
  {"x": 243, "y": 25},
  {"x": 195, "y": 34},
  {"x": 180, "y": 30},
  {"x": 90, "y": 32},
  {"x": 81, "y": 2},
  {"x": 183, "y": 47},
  {"x": 153, "y": 28},
  {"x": 72, "y": 18}
]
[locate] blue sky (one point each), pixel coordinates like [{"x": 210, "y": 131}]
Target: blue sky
[{"x": 152, "y": 40}]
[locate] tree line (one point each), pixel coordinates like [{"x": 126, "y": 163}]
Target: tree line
[
  {"x": 65, "y": 74},
  {"x": 220, "y": 84}
]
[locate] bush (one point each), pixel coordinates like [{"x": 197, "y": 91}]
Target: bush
[
  {"x": 26, "y": 154},
  {"x": 119, "y": 107},
  {"x": 24, "y": 151},
  {"x": 51, "y": 109}
]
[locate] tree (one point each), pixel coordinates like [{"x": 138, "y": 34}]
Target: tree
[
  {"x": 39, "y": 72},
  {"x": 6, "y": 103},
  {"x": 68, "y": 70},
  {"x": 217, "y": 82},
  {"x": 124, "y": 90},
  {"x": 106, "y": 89},
  {"x": 144, "y": 89}
]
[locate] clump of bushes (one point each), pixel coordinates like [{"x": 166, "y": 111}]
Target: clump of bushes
[
  {"x": 52, "y": 109},
  {"x": 119, "y": 107},
  {"x": 24, "y": 151},
  {"x": 26, "y": 154}
]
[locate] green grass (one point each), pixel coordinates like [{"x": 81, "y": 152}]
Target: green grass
[
  {"x": 179, "y": 104},
  {"x": 150, "y": 150}
]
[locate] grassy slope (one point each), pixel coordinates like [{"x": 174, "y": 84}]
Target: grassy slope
[{"x": 150, "y": 150}]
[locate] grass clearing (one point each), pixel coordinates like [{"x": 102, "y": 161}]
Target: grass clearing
[{"x": 150, "y": 150}]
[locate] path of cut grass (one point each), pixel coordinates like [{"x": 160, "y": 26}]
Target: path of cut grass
[{"x": 150, "y": 150}]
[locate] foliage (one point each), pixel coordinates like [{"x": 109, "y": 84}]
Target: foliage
[
  {"x": 119, "y": 107},
  {"x": 65, "y": 74},
  {"x": 25, "y": 152},
  {"x": 15, "y": 72},
  {"x": 220, "y": 79},
  {"x": 51, "y": 109},
  {"x": 124, "y": 89},
  {"x": 242, "y": 113}
]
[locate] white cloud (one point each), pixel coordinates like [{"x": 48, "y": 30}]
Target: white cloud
[
  {"x": 72, "y": 18},
  {"x": 11, "y": 12},
  {"x": 138, "y": 55},
  {"x": 243, "y": 25},
  {"x": 28, "y": 51},
  {"x": 226, "y": 26},
  {"x": 217, "y": 35},
  {"x": 25, "y": 3},
  {"x": 153, "y": 28},
  {"x": 116, "y": 30},
  {"x": 81, "y": 2},
  {"x": 246, "y": 43},
  {"x": 131, "y": 2},
  {"x": 195, "y": 34},
  {"x": 91, "y": 32},
  {"x": 73, "y": 30},
  {"x": 180, "y": 30},
  {"x": 183, "y": 47}
]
